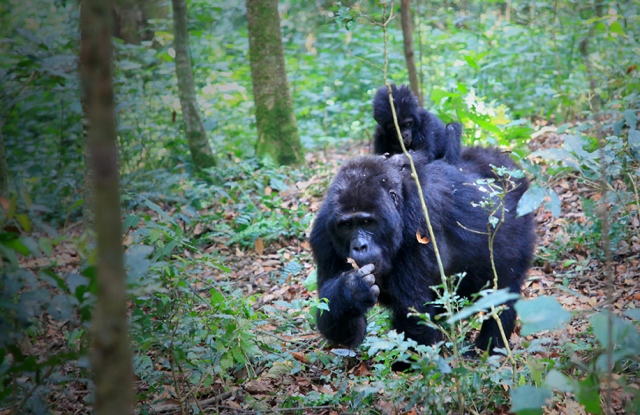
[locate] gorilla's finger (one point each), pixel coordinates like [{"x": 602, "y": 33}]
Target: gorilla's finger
[
  {"x": 369, "y": 279},
  {"x": 375, "y": 290},
  {"x": 367, "y": 269}
]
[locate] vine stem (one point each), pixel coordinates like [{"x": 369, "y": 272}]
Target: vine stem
[{"x": 414, "y": 174}]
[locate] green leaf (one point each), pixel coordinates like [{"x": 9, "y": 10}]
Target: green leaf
[
  {"x": 18, "y": 245},
  {"x": 484, "y": 122},
  {"x": 277, "y": 184},
  {"x": 45, "y": 246},
  {"x": 540, "y": 314},
  {"x": 558, "y": 154},
  {"x": 588, "y": 395},
  {"x": 311, "y": 282},
  {"x": 216, "y": 297},
  {"x": 343, "y": 352},
  {"x": 633, "y": 313},
  {"x": 553, "y": 204},
  {"x": 630, "y": 118},
  {"x": 529, "y": 400},
  {"x": 531, "y": 199},
  {"x": 379, "y": 344},
  {"x": 625, "y": 336},
  {"x": 471, "y": 61},
  {"x": 130, "y": 221},
  {"x": 617, "y": 28},
  {"x": 484, "y": 303},
  {"x": 158, "y": 210},
  {"x": 558, "y": 380},
  {"x": 24, "y": 222}
]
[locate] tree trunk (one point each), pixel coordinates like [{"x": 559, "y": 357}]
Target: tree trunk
[
  {"x": 111, "y": 357},
  {"x": 201, "y": 153},
  {"x": 89, "y": 203},
  {"x": 409, "y": 54},
  {"x": 4, "y": 170},
  {"x": 278, "y": 138}
]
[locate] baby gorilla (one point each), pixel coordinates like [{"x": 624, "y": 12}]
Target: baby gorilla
[
  {"x": 421, "y": 130},
  {"x": 372, "y": 214}
]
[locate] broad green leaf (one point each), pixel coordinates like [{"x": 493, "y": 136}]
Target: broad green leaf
[
  {"x": 529, "y": 400},
  {"x": 540, "y": 314},
  {"x": 575, "y": 144},
  {"x": 158, "y": 210},
  {"x": 634, "y": 138},
  {"x": 24, "y": 221},
  {"x": 630, "y": 118},
  {"x": 484, "y": 122},
  {"x": 558, "y": 154},
  {"x": 626, "y": 339},
  {"x": 216, "y": 297},
  {"x": 633, "y": 313},
  {"x": 616, "y": 28},
  {"x": 344, "y": 352},
  {"x": 531, "y": 199},
  {"x": 558, "y": 380},
  {"x": 277, "y": 184},
  {"x": 588, "y": 395},
  {"x": 553, "y": 204},
  {"x": 130, "y": 221},
  {"x": 471, "y": 61},
  {"x": 311, "y": 282},
  {"x": 18, "y": 245},
  {"x": 379, "y": 344},
  {"x": 45, "y": 245},
  {"x": 494, "y": 299}
]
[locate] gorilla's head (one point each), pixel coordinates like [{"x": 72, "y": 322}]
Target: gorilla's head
[
  {"x": 365, "y": 222},
  {"x": 407, "y": 113}
]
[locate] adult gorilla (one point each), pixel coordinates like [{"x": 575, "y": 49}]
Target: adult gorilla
[
  {"x": 421, "y": 130},
  {"x": 372, "y": 214}
]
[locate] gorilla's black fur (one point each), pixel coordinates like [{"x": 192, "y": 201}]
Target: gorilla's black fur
[
  {"x": 372, "y": 213},
  {"x": 421, "y": 130}
]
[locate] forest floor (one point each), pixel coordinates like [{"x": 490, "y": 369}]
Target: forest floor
[{"x": 562, "y": 268}]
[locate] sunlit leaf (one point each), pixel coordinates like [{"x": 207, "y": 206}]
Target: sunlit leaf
[
  {"x": 529, "y": 400},
  {"x": 540, "y": 314}
]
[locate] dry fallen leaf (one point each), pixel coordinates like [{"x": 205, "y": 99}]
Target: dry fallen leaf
[
  {"x": 299, "y": 357},
  {"x": 353, "y": 263},
  {"x": 422, "y": 239}
]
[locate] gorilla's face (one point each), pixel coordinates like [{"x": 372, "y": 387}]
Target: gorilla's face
[
  {"x": 407, "y": 112},
  {"x": 407, "y": 126},
  {"x": 366, "y": 224}
]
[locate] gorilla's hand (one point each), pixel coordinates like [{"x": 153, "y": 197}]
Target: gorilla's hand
[{"x": 362, "y": 286}]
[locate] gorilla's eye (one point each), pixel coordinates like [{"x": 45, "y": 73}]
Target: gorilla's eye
[
  {"x": 345, "y": 224},
  {"x": 408, "y": 124},
  {"x": 366, "y": 221}
]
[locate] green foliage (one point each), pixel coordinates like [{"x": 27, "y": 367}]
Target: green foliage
[
  {"x": 498, "y": 77},
  {"x": 539, "y": 314},
  {"x": 529, "y": 400},
  {"x": 580, "y": 156},
  {"x": 34, "y": 300}
]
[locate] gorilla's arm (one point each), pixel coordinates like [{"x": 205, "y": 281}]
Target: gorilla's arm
[
  {"x": 382, "y": 143},
  {"x": 453, "y": 143},
  {"x": 350, "y": 294}
]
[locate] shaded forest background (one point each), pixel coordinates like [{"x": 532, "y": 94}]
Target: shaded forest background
[{"x": 218, "y": 270}]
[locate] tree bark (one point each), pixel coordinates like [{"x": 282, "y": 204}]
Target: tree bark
[
  {"x": 111, "y": 355},
  {"x": 409, "y": 53},
  {"x": 89, "y": 202},
  {"x": 201, "y": 152},
  {"x": 278, "y": 138},
  {"x": 4, "y": 170}
]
